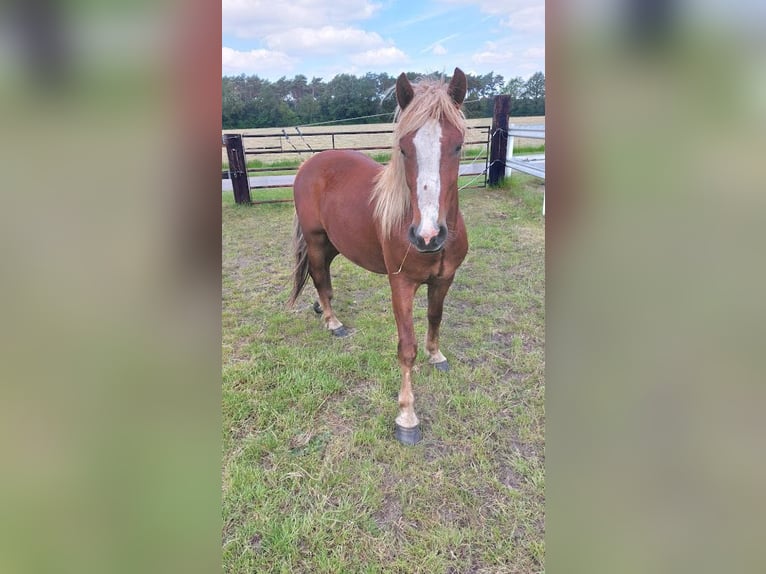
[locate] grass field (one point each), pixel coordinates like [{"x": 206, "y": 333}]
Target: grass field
[{"x": 313, "y": 479}]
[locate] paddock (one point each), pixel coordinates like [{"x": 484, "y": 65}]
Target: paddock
[{"x": 313, "y": 480}]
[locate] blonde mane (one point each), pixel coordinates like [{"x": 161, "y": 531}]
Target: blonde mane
[{"x": 391, "y": 196}]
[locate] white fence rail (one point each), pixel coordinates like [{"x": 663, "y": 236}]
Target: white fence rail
[{"x": 530, "y": 164}]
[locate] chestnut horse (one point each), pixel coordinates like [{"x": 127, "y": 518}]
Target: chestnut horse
[{"x": 401, "y": 220}]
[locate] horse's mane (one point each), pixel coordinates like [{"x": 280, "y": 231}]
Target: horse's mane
[{"x": 391, "y": 196}]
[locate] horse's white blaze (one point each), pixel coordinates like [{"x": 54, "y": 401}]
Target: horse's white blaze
[{"x": 428, "y": 150}]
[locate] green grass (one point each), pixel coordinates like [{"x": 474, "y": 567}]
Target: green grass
[
  {"x": 522, "y": 150},
  {"x": 313, "y": 479},
  {"x": 286, "y": 193},
  {"x": 289, "y": 165}
]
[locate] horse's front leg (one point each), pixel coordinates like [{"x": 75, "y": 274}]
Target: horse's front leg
[
  {"x": 407, "y": 423},
  {"x": 437, "y": 291}
]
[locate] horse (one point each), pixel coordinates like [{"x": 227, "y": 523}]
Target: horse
[{"x": 401, "y": 220}]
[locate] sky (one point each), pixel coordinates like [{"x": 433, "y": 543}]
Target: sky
[{"x": 323, "y": 38}]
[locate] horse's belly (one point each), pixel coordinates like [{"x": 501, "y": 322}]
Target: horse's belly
[
  {"x": 360, "y": 248},
  {"x": 332, "y": 194}
]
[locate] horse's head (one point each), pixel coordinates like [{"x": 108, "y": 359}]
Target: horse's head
[{"x": 431, "y": 157}]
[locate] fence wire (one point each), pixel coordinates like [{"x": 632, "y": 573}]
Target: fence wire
[{"x": 389, "y": 114}]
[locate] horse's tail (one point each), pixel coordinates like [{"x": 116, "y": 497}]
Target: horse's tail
[{"x": 301, "y": 271}]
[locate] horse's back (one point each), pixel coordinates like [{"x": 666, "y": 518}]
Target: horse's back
[{"x": 332, "y": 195}]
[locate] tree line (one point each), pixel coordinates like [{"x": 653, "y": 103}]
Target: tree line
[{"x": 253, "y": 102}]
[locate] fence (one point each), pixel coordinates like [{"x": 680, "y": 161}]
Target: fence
[
  {"x": 502, "y": 144},
  {"x": 488, "y": 161},
  {"x": 501, "y": 153},
  {"x": 532, "y": 164}
]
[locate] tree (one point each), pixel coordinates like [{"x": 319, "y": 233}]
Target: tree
[
  {"x": 299, "y": 86},
  {"x": 534, "y": 94},
  {"x": 534, "y": 89},
  {"x": 231, "y": 104},
  {"x": 250, "y": 101},
  {"x": 514, "y": 87}
]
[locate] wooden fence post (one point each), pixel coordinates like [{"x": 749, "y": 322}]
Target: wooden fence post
[
  {"x": 499, "y": 143},
  {"x": 237, "y": 167}
]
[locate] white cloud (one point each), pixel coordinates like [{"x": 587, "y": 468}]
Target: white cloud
[
  {"x": 380, "y": 57},
  {"x": 510, "y": 57},
  {"x": 321, "y": 37},
  {"x": 261, "y": 62},
  {"x": 534, "y": 52},
  {"x": 519, "y": 15},
  {"x": 530, "y": 19},
  {"x": 437, "y": 48},
  {"x": 491, "y": 57},
  {"x": 325, "y": 40},
  {"x": 258, "y": 18}
]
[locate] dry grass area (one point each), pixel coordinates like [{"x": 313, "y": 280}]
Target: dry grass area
[{"x": 356, "y": 140}]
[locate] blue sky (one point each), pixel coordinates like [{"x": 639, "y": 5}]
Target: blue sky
[{"x": 322, "y": 38}]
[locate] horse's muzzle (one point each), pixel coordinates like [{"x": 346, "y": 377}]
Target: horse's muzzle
[{"x": 434, "y": 245}]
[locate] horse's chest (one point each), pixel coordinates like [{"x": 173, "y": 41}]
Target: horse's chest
[
  {"x": 438, "y": 270},
  {"x": 445, "y": 265}
]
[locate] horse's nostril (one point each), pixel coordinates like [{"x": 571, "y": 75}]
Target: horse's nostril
[{"x": 411, "y": 235}]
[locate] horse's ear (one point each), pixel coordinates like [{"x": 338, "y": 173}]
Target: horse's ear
[
  {"x": 458, "y": 86},
  {"x": 404, "y": 91}
]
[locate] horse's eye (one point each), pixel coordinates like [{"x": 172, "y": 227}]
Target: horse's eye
[
  {"x": 403, "y": 154},
  {"x": 458, "y": 148}
]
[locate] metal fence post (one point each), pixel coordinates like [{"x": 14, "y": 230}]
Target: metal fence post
[
  {"x": 237, "y": 167},
  {"x": 499, "y": 139}
]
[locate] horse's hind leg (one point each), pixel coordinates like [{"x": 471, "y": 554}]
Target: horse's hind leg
[
  {"x": 437, "y": 291},
  {"x": 321, "y": 252}
]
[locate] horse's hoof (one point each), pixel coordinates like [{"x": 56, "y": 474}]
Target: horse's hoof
[
  {"x": 443, "y": 366},
  {"x": 340, "y": 331},
  {"x": 317, "y": 308},
  {"x": 408, "y": 436}
]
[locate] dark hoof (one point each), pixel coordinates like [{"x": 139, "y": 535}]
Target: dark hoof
[
  {"x": 317, "y": 308},
  {"x": 443, "y": 366},
  {"x": 408, "y": 436},
  {"x": 340, "y": 331}
]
